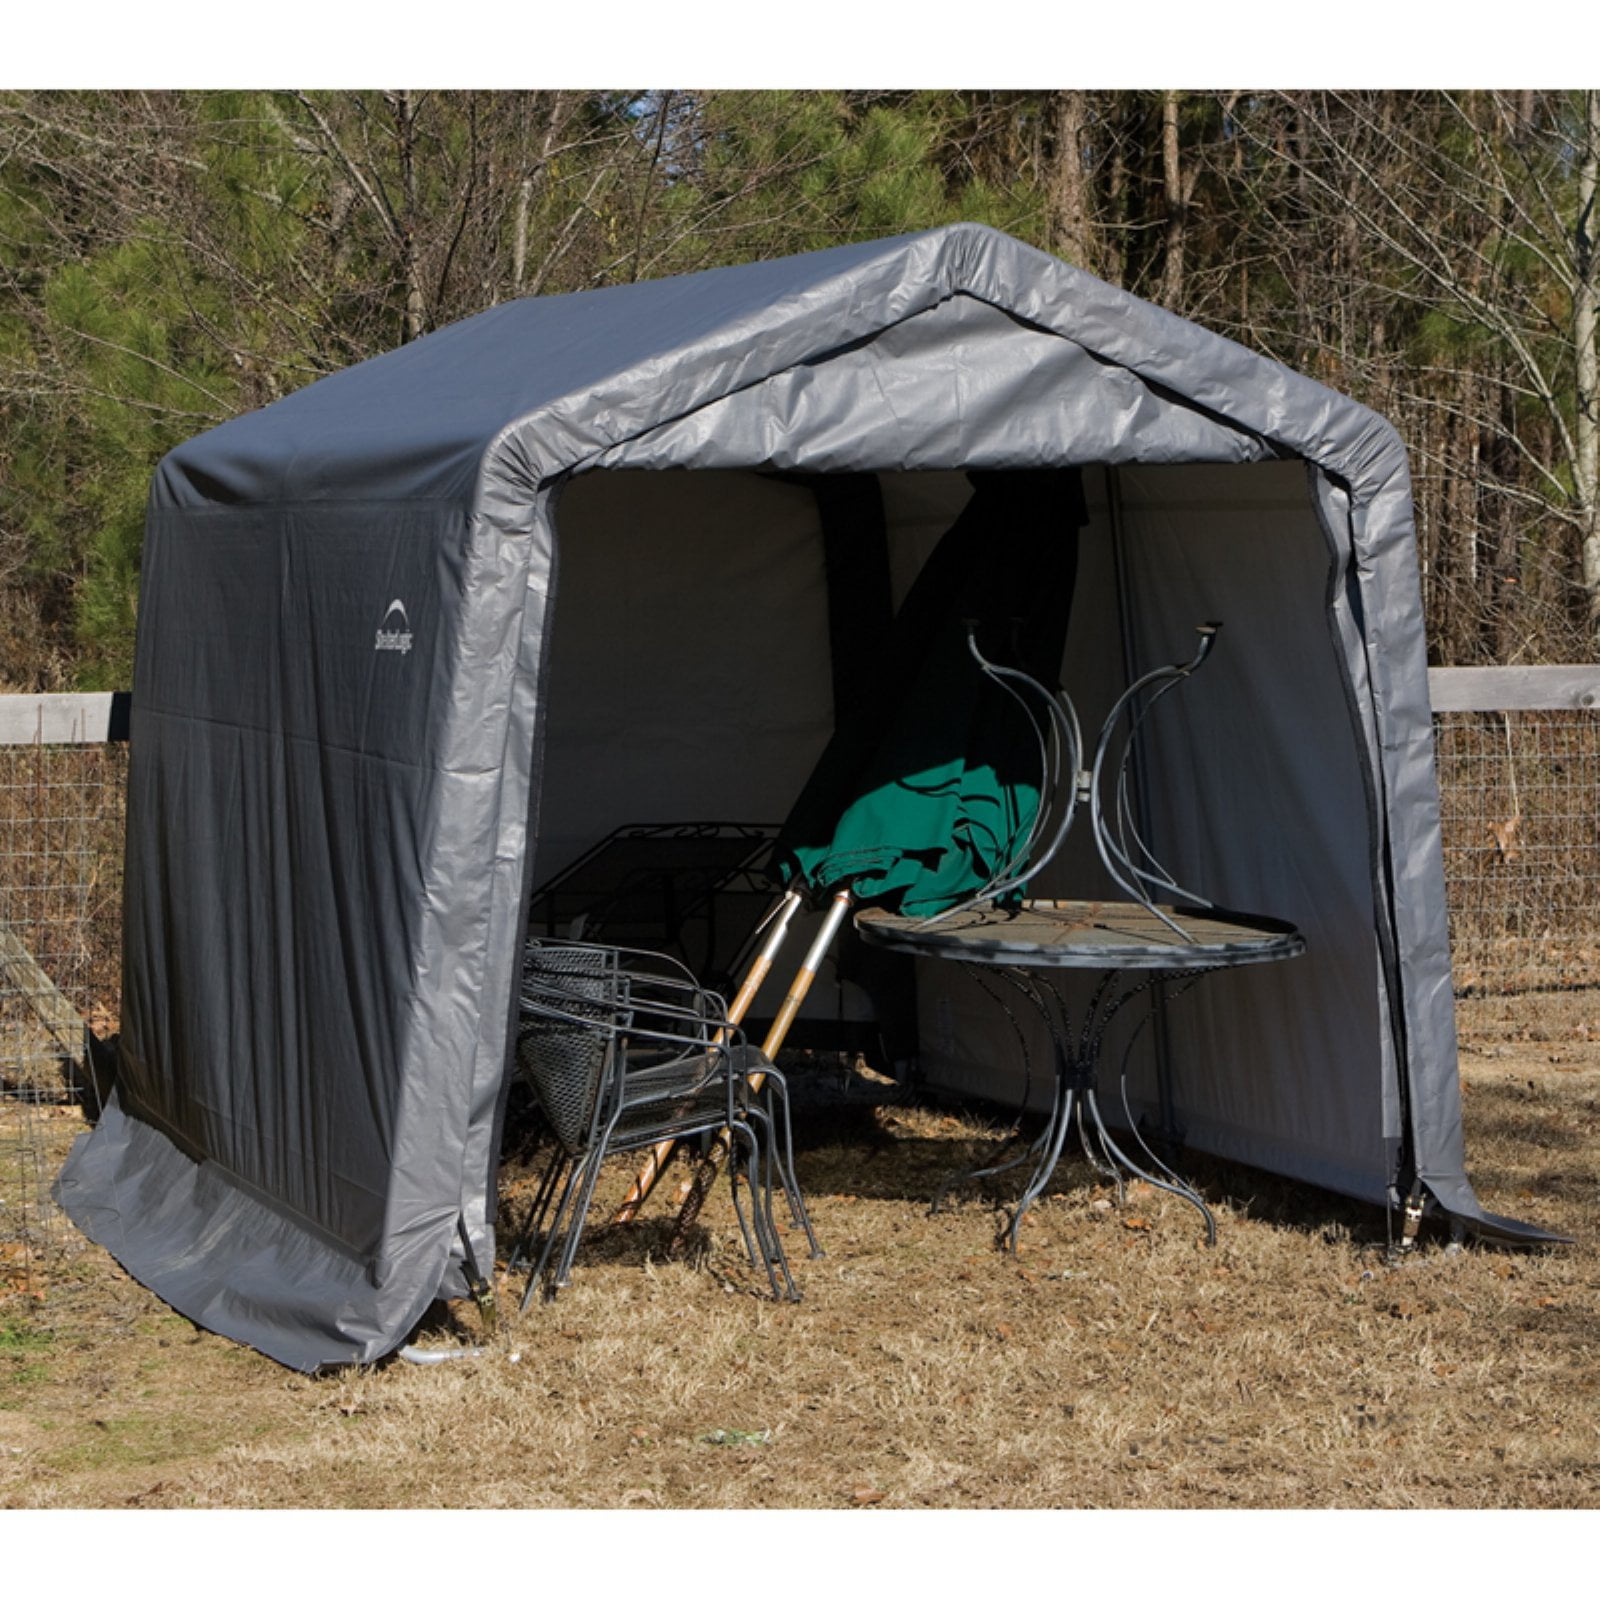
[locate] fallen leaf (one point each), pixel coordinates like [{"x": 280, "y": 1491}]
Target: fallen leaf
[
  {"x": 736, "y": 1436},
  {"x": 1004, "y": 1330},
  {"x": 1139, "y": 1223},
  {"x": 865, "y": 1495},
  {"x": 1505, "y": 838}
]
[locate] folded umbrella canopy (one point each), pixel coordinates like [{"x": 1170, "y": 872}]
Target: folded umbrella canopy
[{"x": 926, "y": 789}]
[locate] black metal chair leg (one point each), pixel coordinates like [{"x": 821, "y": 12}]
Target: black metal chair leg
[
  {"x": 786, "y": 1175},
  {"x": 761, "y": 1190},
  {"x": 554, "y": 1234},
  {"x": 780, "y": 1256},
  {"x": 626, "y": 1051},
  {"x": 580, "y": 1217},
  {"x": 532, "y": 1228},
  {"x": 772, "y": 1255},
  {"x": 758, "y": 1256}
]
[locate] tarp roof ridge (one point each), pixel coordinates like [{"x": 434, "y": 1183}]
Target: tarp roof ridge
[
  {"x": 961, "y": 261},
  {"x": 642, "y": 376},
  {"x": 536, "y": 387},
  {"x": 1371, "y": 450}
]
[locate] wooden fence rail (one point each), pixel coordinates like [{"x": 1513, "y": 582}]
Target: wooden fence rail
[
  {"x": 1514, "y": 688},
  {"x": 103, "y": 718},
  {"x": 64, "y": 718}
]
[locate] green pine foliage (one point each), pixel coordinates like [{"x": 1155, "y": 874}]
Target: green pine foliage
[{"x": 170, "y": 260}]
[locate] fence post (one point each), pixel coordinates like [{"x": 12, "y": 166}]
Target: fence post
[{"x": 62, "y": 780}]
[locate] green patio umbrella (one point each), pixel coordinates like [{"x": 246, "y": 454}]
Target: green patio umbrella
[{"x": 924, "y": 793}]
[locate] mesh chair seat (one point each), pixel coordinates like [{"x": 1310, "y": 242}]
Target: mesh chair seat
[{"x": 682, "y": 1096}]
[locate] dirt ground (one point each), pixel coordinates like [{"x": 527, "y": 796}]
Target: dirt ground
[{"x": 1116, "y": 1362}]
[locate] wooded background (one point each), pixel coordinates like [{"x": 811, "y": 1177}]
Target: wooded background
[{"x": 168, "y": 260}]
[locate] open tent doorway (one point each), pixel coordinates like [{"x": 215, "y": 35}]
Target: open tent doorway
[{"x": 692, "y": 674}]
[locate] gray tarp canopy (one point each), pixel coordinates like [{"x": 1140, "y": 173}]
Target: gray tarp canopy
[{"x": 367, "y": 696}]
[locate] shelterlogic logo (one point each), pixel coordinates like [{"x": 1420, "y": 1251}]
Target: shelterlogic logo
[{"x": 394, "y": 633}]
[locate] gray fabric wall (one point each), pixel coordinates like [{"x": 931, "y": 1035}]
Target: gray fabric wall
[{"x": 688, "y": 675}]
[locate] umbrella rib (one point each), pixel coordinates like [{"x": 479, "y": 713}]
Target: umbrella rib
[{"x": 1021, "y": 864}]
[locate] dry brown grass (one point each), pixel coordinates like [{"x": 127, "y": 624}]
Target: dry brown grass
[{"x": 1117, "y": 1363}]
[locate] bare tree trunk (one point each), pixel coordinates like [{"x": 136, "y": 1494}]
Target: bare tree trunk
[
  {"x": 1586, "y": 287},
  {"x": 1069, "y": 211},
  {"x": 647, "y": 185},
  {"x": 519, "y": 234},
  {"x": 1115, "y": 263},
  {"x": 1301, "y": 147},
  {"x": 405, "y": 118},
  {"x": 524, "y": 203},
  {"x": 1177, "y": 199},
  {"x": 519, "y": 228}
]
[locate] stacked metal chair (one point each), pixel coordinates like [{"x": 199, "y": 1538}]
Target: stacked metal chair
[{"x": 623, "y": 1049}]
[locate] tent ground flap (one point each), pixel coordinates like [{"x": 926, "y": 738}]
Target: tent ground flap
[{"x": 234, "y": 1264}]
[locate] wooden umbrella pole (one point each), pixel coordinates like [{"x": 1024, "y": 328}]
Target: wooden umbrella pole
[
  {"x": 722, "y": 1146},
  {"x": 656, "y": 1160}
]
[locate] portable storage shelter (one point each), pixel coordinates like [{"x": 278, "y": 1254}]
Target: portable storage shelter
[{"x": 407, "y": 624}]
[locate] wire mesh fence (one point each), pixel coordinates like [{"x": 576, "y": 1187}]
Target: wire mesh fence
[
  {"x": 1521, "y": 819},
  {"x": 61, "y": 811},
  {"x": 1520, "y": 808}
]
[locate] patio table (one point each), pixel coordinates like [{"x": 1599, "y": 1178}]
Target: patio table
[{"x": 1136, "y": 948}]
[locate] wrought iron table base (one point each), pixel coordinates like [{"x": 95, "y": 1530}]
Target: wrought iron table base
[
  {"x": 996, "y": 930},
  {"x": 1076, "y": 1094}
]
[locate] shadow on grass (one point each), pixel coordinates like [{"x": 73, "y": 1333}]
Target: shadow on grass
[
  {"x": 870, "y": 1139},
  {"x": 873, "y": 1162}
]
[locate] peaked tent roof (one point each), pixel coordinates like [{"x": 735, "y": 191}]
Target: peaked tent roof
[
  {"x": 541, "y": 386},
  {"x": 326, "y": 843}
]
